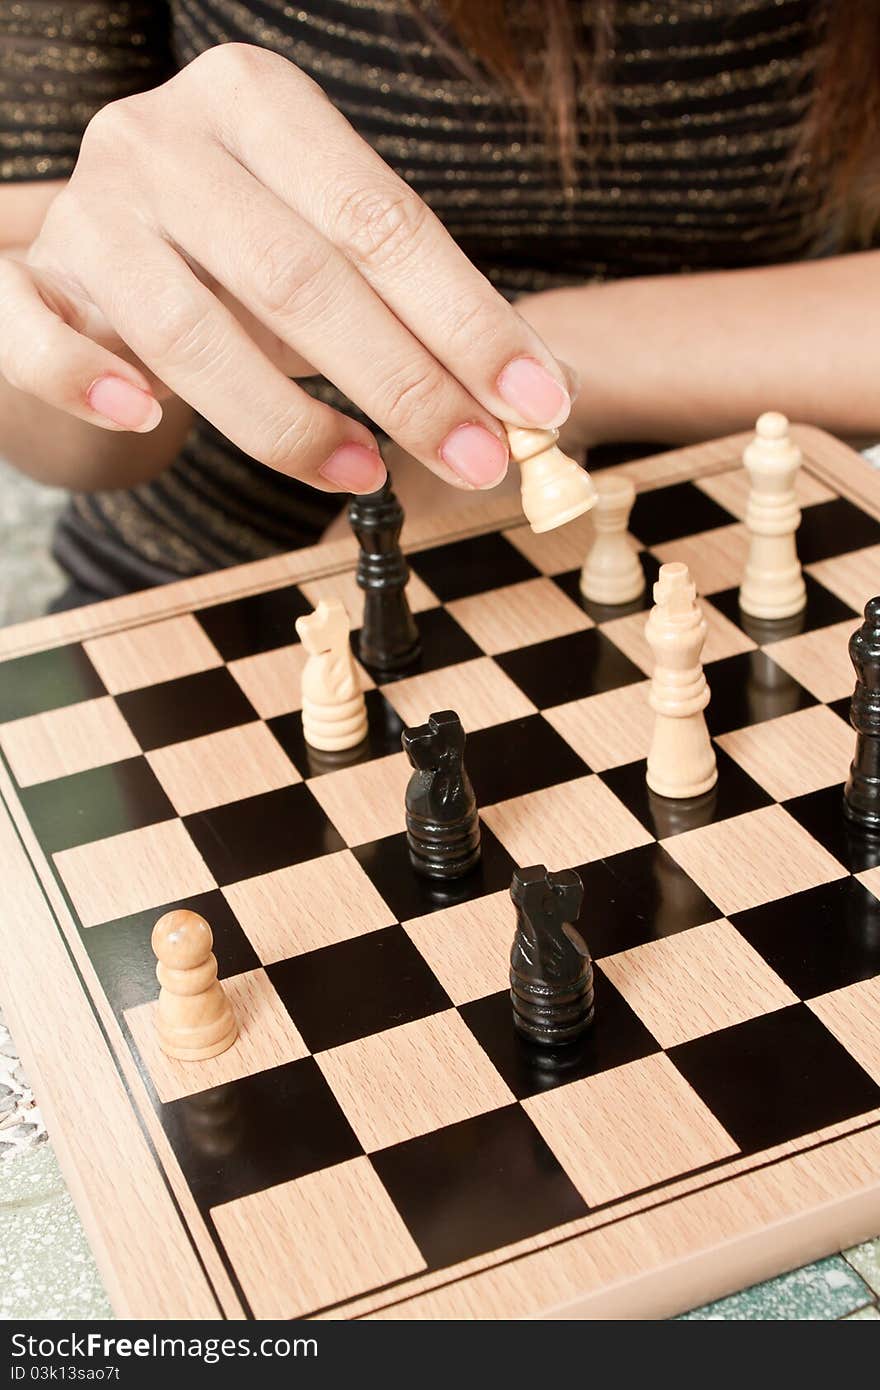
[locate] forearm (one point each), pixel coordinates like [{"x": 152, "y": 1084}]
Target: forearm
[{"x": 681, "y": 358}]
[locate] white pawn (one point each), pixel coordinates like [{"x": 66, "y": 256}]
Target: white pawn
[
  {"x": 334, "y": 712},
  {"x": 681, "y": 762},
  {"x": 612, "y": 573},
  {"x": 555, "y": 489},
  {"x": 195, "y": 1019},
  {"x": 773, "y": 585}
]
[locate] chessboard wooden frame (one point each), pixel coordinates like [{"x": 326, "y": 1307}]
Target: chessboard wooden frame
[{"x": 149, "y": 1240}]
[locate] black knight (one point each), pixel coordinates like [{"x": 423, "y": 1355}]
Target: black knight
[
  {"x": 551, "y": 973},
  {"x": 442, "y": 826}
]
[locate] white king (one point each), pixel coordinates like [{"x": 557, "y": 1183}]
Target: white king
[{"x": 681, "y": 762}]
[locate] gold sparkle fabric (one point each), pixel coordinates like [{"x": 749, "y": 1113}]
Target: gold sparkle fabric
[{"x": 696, "y": 172}]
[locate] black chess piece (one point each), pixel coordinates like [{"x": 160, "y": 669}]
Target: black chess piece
[
  {"x": 389, "y": 638},
  {"x": 442, "y": 826},
  {"x": 862, "y": 792},
  {"x": 551, "y": 973}
]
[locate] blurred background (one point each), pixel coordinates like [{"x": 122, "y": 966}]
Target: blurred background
[{"x": 29, "y": 580}]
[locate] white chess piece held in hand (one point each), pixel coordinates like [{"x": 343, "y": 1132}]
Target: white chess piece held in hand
[{"x": 555, "y": 489}]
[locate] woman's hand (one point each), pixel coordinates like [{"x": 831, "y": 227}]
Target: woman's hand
[{"x": 228, "y": 230}]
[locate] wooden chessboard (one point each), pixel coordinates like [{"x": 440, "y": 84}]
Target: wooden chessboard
[{"x": 378, "y": 1143}]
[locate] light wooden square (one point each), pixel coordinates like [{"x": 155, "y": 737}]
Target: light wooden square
[
  {"x": 267, "y": 1038},
  {"x": 566, "y": 824},
  {"x": 306, "y": 906},
  {"x": 753, "y": 859},
  {"x": 871, "y": 879},
  {"x": 479, "y": 692},
  {"x": 413, "y": 1079},
  {"x": 852, "y": 577},
  {"x": 716, "y": 559},
  {"x": 344, "y": 586},
  {"x": 731, "y": 490},
  {"x": 852, "y": 1014},
  {"x": 723, "y": 638},
  {"x": 628, "y": 1129},
  {"x": 795, "y": 754},
  {"x": 609, "y": 729},
  {"x": 130, "y": 872},
  {"x": 365, "y": 802},
  {"x": 148, "y": 655},
  {"x": 819, "y": 660},
  {"x": 91, "y": 734},
  {"x": 316, "y": 1241},
  {"x": 272, "y": 681},
  {"x": 696, "y": 982},
  {"x": 218, "y": 768},
  {"x": 555, "y": 552},
  {"x": 468, "y": 946},
  {"x": 518, "y": 615}
]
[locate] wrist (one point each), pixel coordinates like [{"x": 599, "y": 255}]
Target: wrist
[{"x": 580, "y": 325}]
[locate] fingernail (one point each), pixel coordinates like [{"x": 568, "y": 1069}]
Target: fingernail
[
  {"x": 355, "y": 468},
  {"x": 534, "y": 393},
  {"x": 124, "y": 404},
  {"x": 475, "y": 455},
  {"x": 572, "y": 378}
]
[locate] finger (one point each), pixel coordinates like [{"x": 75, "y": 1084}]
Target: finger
[
  {"x": 47, "y": 357},
  {"x": 345, "y": 190},
  {"x": 181, "y": 332},
  {"x": 309, "y": 294},
  {"x": 285, "y": 358}
]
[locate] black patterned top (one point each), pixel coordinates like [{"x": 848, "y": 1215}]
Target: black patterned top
[{"x": 706, "y": 98}]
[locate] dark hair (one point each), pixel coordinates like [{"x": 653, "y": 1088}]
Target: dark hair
[{"x": 557, "y": 67}]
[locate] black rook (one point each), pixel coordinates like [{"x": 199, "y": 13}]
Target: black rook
[
  {"x": 551, "y": 973},
  {"x": 862, "y": 794},
  {"x": 389, "y": 638}
]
